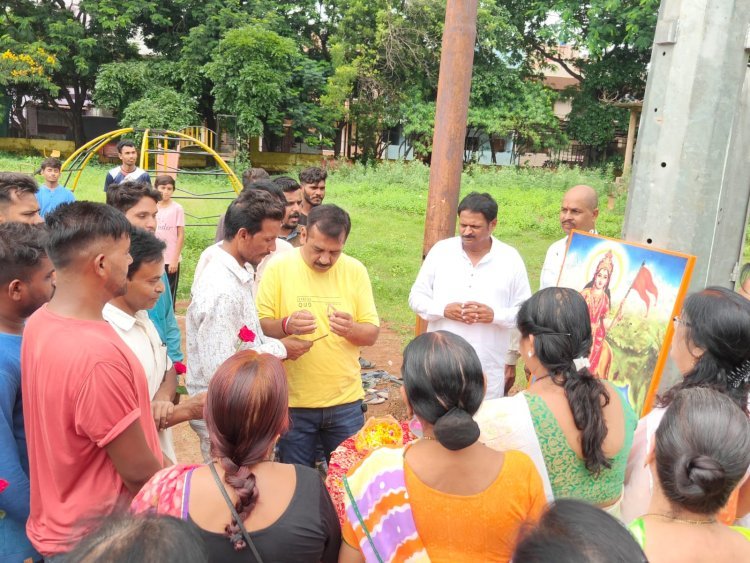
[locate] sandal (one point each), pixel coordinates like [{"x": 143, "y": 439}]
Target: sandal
[
  {"x": 373, "y": 399},
  {"x": 365, "y": 364}
]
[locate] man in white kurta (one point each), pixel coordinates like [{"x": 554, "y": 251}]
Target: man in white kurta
[
  {"x": 473, "y": 285},
  {"x": 579, "y": 210}
]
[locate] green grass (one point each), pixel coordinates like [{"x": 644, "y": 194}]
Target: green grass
[{"x": 387, "y": 205}]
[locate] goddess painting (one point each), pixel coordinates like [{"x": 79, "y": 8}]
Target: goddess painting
[
  {"x": 630, "y": 335},
  {"x": 599, "y": 301}
]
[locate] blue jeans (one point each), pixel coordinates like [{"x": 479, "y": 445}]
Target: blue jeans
[{"x": 328, "y": 426}]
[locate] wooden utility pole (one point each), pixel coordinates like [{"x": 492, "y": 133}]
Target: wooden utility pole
[{"x": 454, "y": 84}]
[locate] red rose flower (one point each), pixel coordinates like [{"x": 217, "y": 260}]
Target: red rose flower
[{"x": 246, "y": 335}]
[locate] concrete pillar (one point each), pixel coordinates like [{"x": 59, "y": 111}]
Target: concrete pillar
[{"x": 691, "y": 178}]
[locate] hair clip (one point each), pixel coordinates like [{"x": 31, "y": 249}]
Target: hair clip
[
  {"x": 740, "y": 375},
  {"x": 552, "y": 334}
]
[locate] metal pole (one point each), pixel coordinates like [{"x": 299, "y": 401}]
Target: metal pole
[{"x": 452, "y": 108}]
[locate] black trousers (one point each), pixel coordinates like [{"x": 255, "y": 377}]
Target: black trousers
[{"x": 174, "y": 279}]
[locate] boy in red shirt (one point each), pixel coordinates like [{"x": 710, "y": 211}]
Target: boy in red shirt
[{"x": 91, "y": 438}]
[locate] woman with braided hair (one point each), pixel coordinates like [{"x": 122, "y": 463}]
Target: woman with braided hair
[
  {"x": 578, "y": 429},
  {"x": 246, "y": 506},
  {"x": 446, "y": 496},
  {"x": 710, "y": 348}
]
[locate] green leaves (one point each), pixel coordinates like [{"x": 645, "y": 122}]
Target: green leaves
[
  {"x": 161, "y": 108},
  {"x": 250, "y": 69},
  {"x": 300, "y": 68},
  {"x": 29, "y": 65}
]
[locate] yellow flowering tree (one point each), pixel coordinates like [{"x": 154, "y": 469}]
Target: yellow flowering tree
[
  {"x": 32, "y": 66},
  {"x": 25, "y": 74},
  {"x": 80, "y": 35}
]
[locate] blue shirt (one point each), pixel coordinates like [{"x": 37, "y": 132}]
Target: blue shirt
[
  {"x": 49, "y": 199},
  {"x": 14, "y": 459},
  {"x": 162, "y": 315}
]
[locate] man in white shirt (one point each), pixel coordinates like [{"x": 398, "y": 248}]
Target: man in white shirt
[
  {"x": 128, "y": 315},
  {"x": 473, "y": 285},
  {"x": 579, "y": 210},
  {"x": 281, "y": 244},
  {"x": 223, "y": 300}
]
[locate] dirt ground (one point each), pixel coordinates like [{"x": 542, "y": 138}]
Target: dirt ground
[{"x": 385, "y": 354}]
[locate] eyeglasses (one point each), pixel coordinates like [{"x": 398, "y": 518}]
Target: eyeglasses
[{"x": 678, "y": 321}]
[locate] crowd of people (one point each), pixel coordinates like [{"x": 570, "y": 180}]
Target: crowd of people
[{"x": 90, "y": 356}]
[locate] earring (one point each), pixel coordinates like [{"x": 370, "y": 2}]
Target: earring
[{"x": 529, "y": 353}]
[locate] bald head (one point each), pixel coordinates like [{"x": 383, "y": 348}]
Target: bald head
[{"x": 580, "y": 208}]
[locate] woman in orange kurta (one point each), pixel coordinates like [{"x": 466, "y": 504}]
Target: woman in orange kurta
[{"x": 444, "y": 497}]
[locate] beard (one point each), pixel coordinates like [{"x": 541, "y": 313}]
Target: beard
[
  {"x": 313, "y": 200},
  {"x": 292, "y": 221}
]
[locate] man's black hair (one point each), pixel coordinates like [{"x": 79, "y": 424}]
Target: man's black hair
[
  {"x": 50, "y": 162},
  {"x": 12, "y": 184},
  {"x": 21, "y": 250},
  {"x": 264, "y": 186},
  {"x": 73, "y": 227},
  {"x": 126, "y": 195},
  {"x": 125, "y": 143},
  {"x": 479, "y": 203},
  {"x": 249, "y": 213},
  {"x": 144, "y": 247},
  {"x": 331, "y": 220},
  {"x": 312, "y": 175},
  {"x": 287, "y": 184}
]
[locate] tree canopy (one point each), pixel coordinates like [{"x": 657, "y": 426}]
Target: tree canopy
[{"x": 304, "y": 69}]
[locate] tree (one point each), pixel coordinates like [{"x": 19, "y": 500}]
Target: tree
[
  {"x": 81, "y": 35},
  {"x": 250, "y": 70},
  {"x": 186, "y": 36},
  {"x": 161, "y": 108},
  {"x": 121, "y": 83},
  {"x": 28, "y": 69},
  {"x": 32, "y": 65},
  {"x": 386, "y": 58},
  {"x": 616, "y": 36}
]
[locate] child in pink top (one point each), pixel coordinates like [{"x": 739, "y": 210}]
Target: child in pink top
[{"x": 170, "y": 227}]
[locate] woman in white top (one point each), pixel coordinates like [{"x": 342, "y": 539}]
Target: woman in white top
[
  {"x": 577, "y": 428},
  {"x": 711, "y": 348}
]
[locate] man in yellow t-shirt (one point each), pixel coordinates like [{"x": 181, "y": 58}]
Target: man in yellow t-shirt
[{"x": 320, "y": 294}]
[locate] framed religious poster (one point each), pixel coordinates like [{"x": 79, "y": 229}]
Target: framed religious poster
[{"x": 633, "y": 292}]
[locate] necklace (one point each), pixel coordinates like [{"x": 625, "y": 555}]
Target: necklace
[
  {"x": 681, "y": 520},
  {"x": 538, "y": 379},
  {"x": 429, "y": 438}
]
